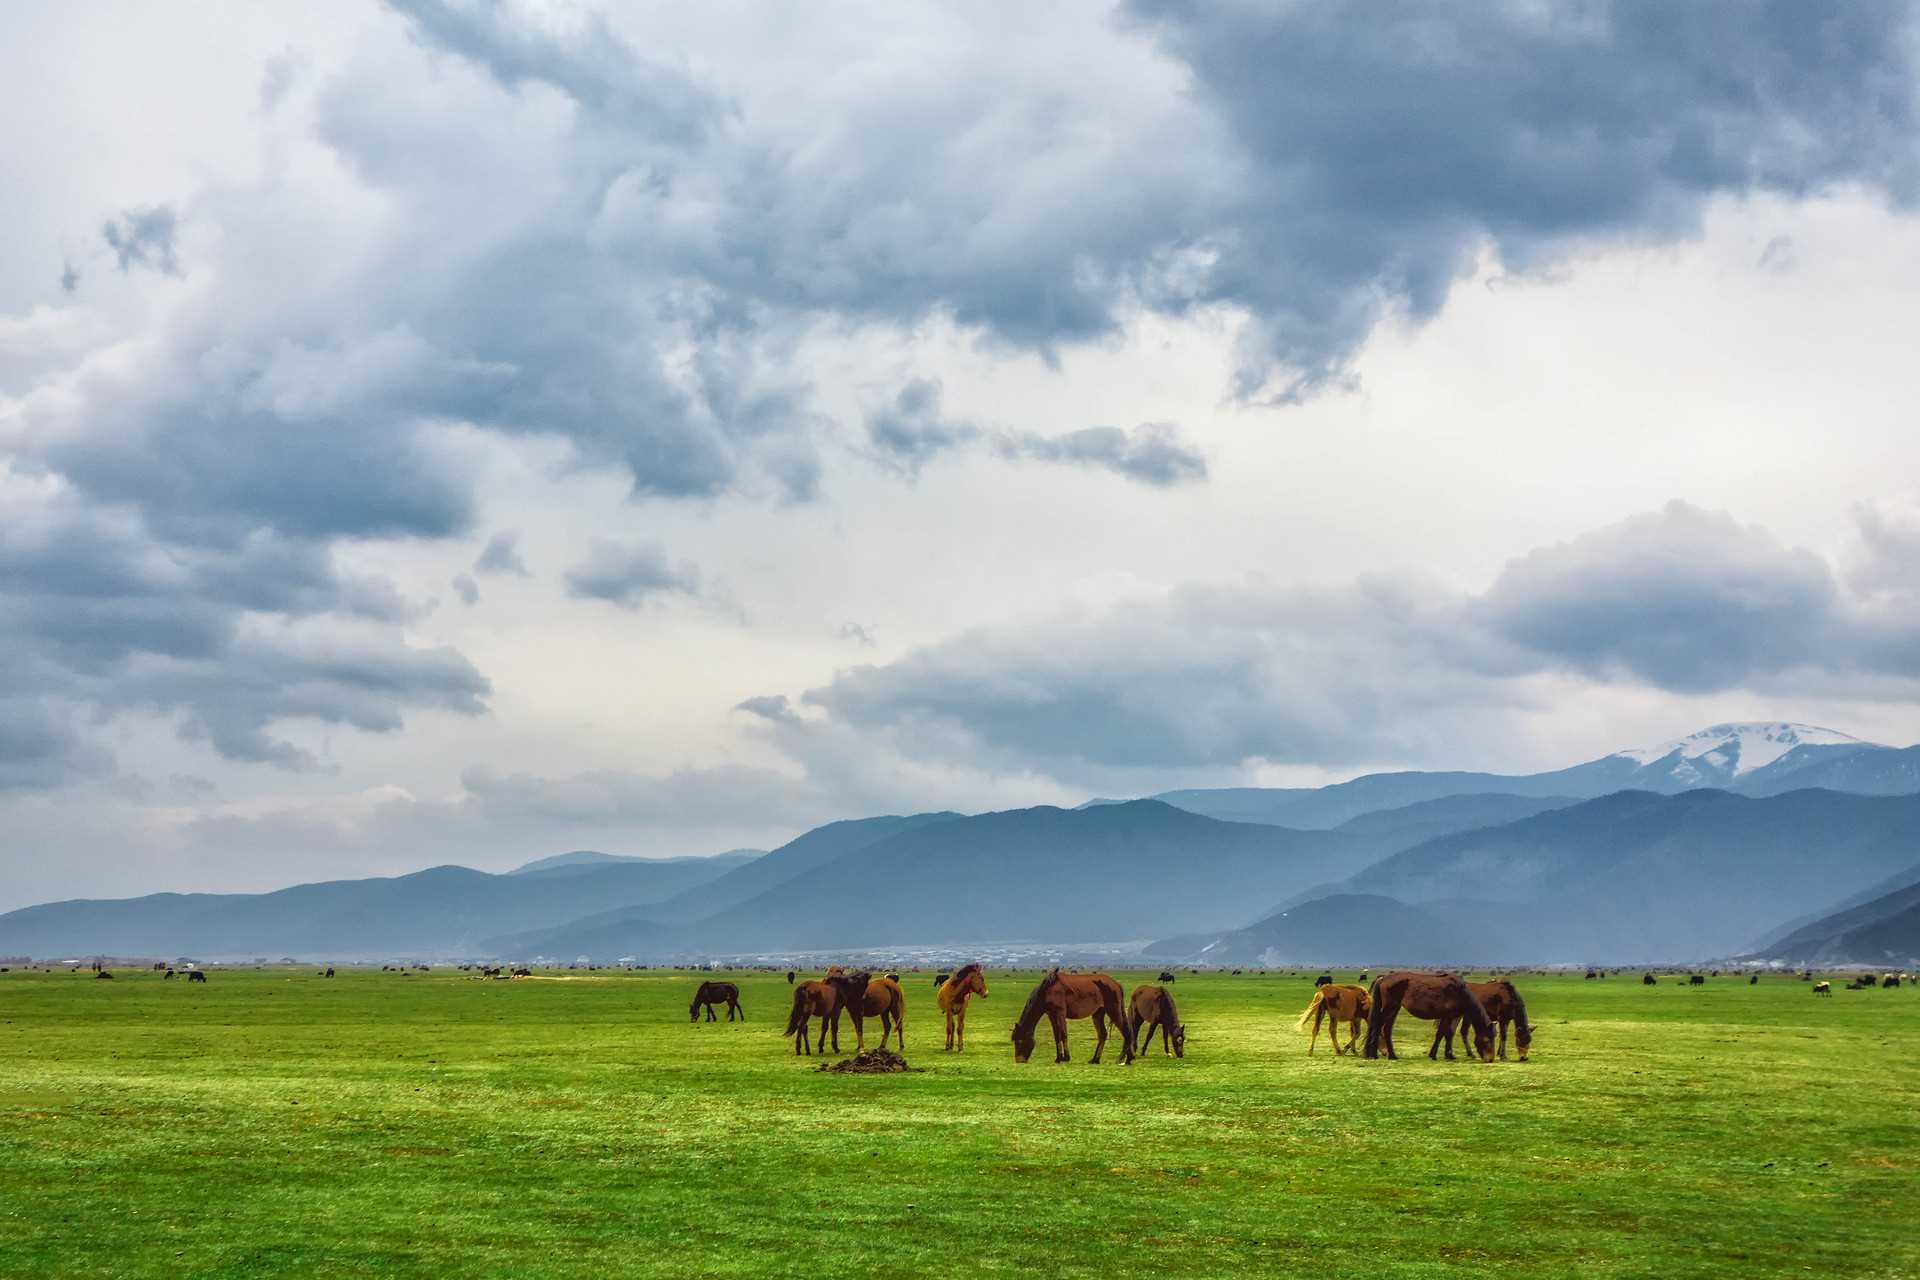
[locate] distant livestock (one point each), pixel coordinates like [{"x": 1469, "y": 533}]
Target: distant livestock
[
  {"x": 789, "y": 977},
  {"x": 1323, "y": 980},
  {"x": 1695, "y": 980},
  {"x": 1166, "y": 975},
  {"x": 1823, "y": 988},
  {"x": 1890, "y": 980},
  {"x": 1649, "y": 980},
  {"x": 103, "y": 974},
  {"x": 1754, "y": 981},
  {"x": 196, "y": 975}
]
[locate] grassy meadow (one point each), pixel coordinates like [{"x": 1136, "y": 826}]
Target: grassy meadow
[{"x": 274, "y": 1123}]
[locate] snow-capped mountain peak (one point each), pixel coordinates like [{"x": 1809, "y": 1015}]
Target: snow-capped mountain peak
[{"x": 1736, "y": 749}]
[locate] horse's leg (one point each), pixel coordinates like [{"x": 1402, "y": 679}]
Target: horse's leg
[
  {"x": 900, "y": 1029},
  {"x": 1503, "y": 1039},
  {"x": 960, "y": 1030},
  {"x": 1151, "y": 1028},
  {"x": 949, "y": 1014},
  {"x": 1100, "y": 1031},
  {"x": 1439, "y": 1029},
  {"x": 1059, "y": 1022},
  {"x": 1319, "y": 1012}
]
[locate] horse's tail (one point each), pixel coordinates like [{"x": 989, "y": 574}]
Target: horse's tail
[
  {"x": 1313, "y": 1006},
  {"x": 797, "y": 1020}
]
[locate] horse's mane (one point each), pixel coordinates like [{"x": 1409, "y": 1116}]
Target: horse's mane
[
  {"x": 955, "y": 987},
  {"x": 1031, "y": 1013},
  {"x": 1522, "y": 1032},
  {"x": 1168, "y": 1013},
  {"x": 1471, "y": 1008}
]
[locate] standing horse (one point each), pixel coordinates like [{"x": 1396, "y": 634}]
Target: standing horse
[
  {"x": 1501, "y": 999},
  {"x": 955, "y": 990},
  {"x": 823, "y": 1000},
  {"x": 1152, "y": 1008},
  {"x": 1424, "y": 995},
  {"x": 1337, "y": 1002},
  {"x": 713, "y": 993},
  {"x": 885, "y": 1000},
  {"x": 1061, "y": 996}
]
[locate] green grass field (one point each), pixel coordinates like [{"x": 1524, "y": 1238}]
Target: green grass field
[{"x": 273, "y": 1123}]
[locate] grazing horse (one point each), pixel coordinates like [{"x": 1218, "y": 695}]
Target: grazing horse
[
  {"x": 1337, "y": 1002},
  {"x": 1061, "y": 996},
  {"x": 713, "y": 993},
  {"x": 1152, "y": 1008},
  {"x": 955, "y": 990},
  {"x": 1501, "y": 999},
  {"x": 884, "y": 1000},
  {"x": 1424, "y": 995}
]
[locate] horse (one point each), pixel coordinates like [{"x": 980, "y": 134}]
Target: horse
[
  {"x": 956, "y": 989},
  {"x": 1152, "y": 1008},
  {"x": 885, "y": 1000},
  {"x": 823, "y": 1000},
  {"x": 1061, "y": 996},
  {"x": 1501, "y": 999},
  {"x": 1425, "y": 995},
  {"x": 1337, "y": 1002},
  {"x": 713, "y": 993}
]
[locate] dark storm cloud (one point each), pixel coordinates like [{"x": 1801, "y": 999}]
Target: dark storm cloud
[
  {"x": 629, "y": 575},
  {"x": 39, "y": 750},
  {"x": 98, "y": 615},
  {"x": 911, "y": 432},
  {"x": 143, "y": 238},
  {"x": 1682, "y": 599},
  {"x": 1380, "y": 156}
]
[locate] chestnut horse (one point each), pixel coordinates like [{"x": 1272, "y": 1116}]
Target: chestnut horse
[
  {"x": 1424, "y": 995},
  {"x": 713, "y": 993},
  {"x": 1501, "y": 999},
  {"x": 1061, "y": 996},
  {"x": 960, "y": 986},
  {"x": 1152, "y": 1008},
  {"x": 885, "y": 1000},
  {"x": 1337, "y": 1002},
  {"x": 823, "y": 1000}
]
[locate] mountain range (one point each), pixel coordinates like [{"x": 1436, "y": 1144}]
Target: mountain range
[{"x": 1704, "y": 846}]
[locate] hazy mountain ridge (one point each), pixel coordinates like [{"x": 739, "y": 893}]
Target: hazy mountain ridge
[{"x": 1881, "y": 931}]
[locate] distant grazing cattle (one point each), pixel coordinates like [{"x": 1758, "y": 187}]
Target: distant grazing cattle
[
  {"x": 1649, "y": 980},
  {"x": 893, "y": 977},
  {"x": 789, "y": 977},
  {"x": 939, "y": 979},
  {"x": 1166, "y": 975},
  {"x": 1324, "y": 980},
  {"x": 1754, "y": 981},
  {"x": 196, "y": 975},
  {"x": 159, "y": 965},
  {"x": 169, "y": 973},
  {"x": 104, "y": 973},
  {"x": 1695, "y": 980},
  {"x": 329, "y": 971},
  {"x": 1890, "y": 980},
  {"x": 523, "y": 973},
  {"x": 1823, "y": 988}
]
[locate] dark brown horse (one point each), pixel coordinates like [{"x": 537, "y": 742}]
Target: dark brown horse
[
  {"x": 955, "y": 990},
  {"x": 713, "y": 993},
  {"x": 883, "y": 1000},
  {"x": 1152, "y": 1007},
  {"x": 1061, "y": 996},
  {"x": 1424, "y": 995},
  {"x": 1501, "y": 999},
  {"x": 823, "y": 1000}
]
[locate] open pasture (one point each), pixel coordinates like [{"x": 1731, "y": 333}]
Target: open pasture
[{"x": 274, "y": 1123}]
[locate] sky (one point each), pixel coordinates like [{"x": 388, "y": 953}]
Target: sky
[{"x": 449, "y": 431}]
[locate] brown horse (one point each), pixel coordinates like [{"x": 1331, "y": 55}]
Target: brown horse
[
  {"x": 884, "y": 1000},
  {"x": 1152, "y": 1008},
  {"x": 1061, "y": 996},
  {"x": 713, "y": 993},
  {"x": 1337, "y": 1002},
  {"x": 1424, "y": 995},
  {"x": 824, "y": 1000},
  {"x": 960, "y": 986},
  {"x": 1501, "y": 999}
]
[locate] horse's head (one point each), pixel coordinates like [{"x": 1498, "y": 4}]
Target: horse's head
[
  {"x": 977, "y": 983},
  {"x": 1483, "y": 1043},
  {"x": 1180, "y": 1041},
  {"x": 1022, "y": 1043},
  {"x": 1522, "y": 1040}
]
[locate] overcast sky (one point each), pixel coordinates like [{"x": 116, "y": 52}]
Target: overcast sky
[{"x": 447, "y": 431}]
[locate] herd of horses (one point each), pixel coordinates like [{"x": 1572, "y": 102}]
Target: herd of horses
[{"x": 1489, "y": 1010}]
